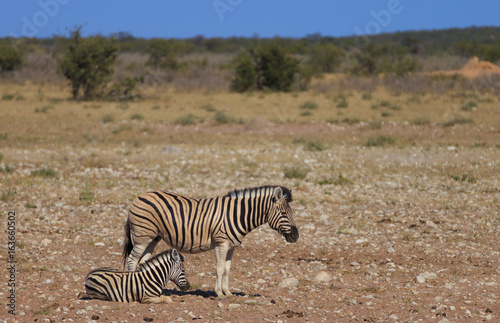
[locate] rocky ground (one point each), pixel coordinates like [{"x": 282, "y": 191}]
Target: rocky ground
[{"x": 399, "y": 233}]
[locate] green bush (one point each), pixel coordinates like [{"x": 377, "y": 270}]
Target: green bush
[
  {"x": 162, "y": 54},
  {"x": 456, "y": 120},
  {"x": 469, "y": 106},
  {"x": 339, "y": 180},
  {"x": 326, "y": 58},
  {"x": 87, "y": 63},
  {"x": 295, "y": 171},
  {"x": 309, "y": 105},
  {"x": 314, "y": 146},
  {"x": 107, "y": 118},
  {"x": 268, "y": 66},
  {"x": 380, "y": 141},
  {"x": 245, "y": 77},
  {"x": 221, "y": 117},
  {"x": 10, "y": 59},
  {"x": 137, "y": 117},
  {"x": 186, "y": 120},
  {"x": 44, "y": 172},
  {"x": 8, "y": 97},
  {"x": 342, "y": 104}
]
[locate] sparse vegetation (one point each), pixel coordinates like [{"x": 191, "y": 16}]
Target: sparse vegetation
[
  {"x": 295, "y": 171},
  {"x": 137, "y": 116},
  {"x": 380, "y": 141},
  {"x": 309, "y": 105},
  {"x": 107, "y": 118},
  {"x": 339, "y": 180},
  {"x": 458, "y": 120},
  {"x": 87, "y": 194},
  {"x": 44, "y": 172},
  {"x": 314, "y": 146},
  {"x": 469, "y": 106},
  {"x": 186, "y": 120}
]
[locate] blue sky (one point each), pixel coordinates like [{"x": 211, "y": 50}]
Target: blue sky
[{"x": 225, "y": 18}]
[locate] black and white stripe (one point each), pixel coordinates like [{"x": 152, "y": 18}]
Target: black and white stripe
[
  {"x": 144, "y": 285},
  {"x": 197, "y": 225}
]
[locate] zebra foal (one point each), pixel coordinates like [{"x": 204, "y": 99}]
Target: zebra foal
[
  {"x": 197, "y": 225},
  {"x": 144, "y": 285}
]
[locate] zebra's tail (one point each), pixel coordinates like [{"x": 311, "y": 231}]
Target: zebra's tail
[{"x": 127, "y": 244}]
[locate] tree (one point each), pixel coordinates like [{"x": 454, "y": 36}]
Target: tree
[
  {"x": 326, "y": 58},
  {"x": 10, "y": 60},
  {"x": 87, "y": 63},
  {"x": 161, "y": 54},
  {"x": 265, "y": 67}
]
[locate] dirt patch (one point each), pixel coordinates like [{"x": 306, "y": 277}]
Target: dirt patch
[
  {"x": 402, "y": 240},
  {"x": 474, "y": 68}
]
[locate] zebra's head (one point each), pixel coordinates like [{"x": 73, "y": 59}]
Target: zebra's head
[
  {"x": 177, "y": 272},
  {"x": 281, "y": 215}
]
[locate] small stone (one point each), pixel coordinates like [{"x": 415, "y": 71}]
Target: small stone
[
  {"x": 354, "y": 264},
  {"x": 391, "y": 250},
  {"x": 233, "y": 306},
  {"x": 392, "y": 316},
  {"x": 322, "y": 276},
  {"x": 488, "y": 317},
  {"x": 99, "y": 244},
  {"x": 46, "y": 242},
  {"x": 289, "y": 282},
  {"x": 444, "y": 321},
  {"x": 359, "y": 241},
  {"x": 220, "y": 304},
  {"x": 424, "y": 276},
  {"x": 261, "y": 281},
  {"x": 451, "y": 148}
]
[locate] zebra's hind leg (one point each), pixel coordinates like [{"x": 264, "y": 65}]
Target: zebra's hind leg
[
  {"x": 163, "y": 299},
  {"x": 149, "y": 250},
  {"x": 138, "y": 252},
  {"x": 225, "y": 277}
]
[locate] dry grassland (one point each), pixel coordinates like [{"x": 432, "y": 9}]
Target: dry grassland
[{"x": 397, "y": 200}]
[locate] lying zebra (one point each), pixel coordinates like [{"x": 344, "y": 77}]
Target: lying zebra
[
  {"x": 144, "y": 285},
  {"x": 197, "y": 225}
]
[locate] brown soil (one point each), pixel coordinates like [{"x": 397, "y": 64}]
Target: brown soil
[
  {"x": 474, "y": 69},
  {"x": 411, "y": 233}
]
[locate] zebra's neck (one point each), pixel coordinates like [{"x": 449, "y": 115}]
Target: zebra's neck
[{"x": 247, "y": 213}]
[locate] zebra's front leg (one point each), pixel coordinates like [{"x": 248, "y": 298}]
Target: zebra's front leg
[
  {"x": 221, "y": 252},
  {"x": 227, "y": 268}
]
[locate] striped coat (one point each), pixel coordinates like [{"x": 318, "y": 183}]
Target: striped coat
[
  {"x": 197, "y": 225},
  {"x": 144, "y": 285}
]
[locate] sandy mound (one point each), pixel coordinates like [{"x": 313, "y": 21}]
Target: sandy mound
[
  {"x": 257, "y": 124},
  {"x": 474, "y": 68}
]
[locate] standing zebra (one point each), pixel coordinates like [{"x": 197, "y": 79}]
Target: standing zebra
[
  {"x": 196, "y": 225},
  {"x": 144, "y": 285}
]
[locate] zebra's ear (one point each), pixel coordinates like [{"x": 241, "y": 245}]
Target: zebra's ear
[
  {"x": 175, "y": 255},
  {"x": 278, "y": 193}
]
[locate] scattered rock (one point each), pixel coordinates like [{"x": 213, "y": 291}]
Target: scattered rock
[
  {"x": 233, "y": 306},
  {"x": 289, "y": 282},
  {"x": 46, "y": 242},
  {"x": 322, "y": 276},
  {"x": 170, "y": 150},
  {"x": 425, "y": 276}
]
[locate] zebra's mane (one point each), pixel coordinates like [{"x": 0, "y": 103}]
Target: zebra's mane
[
  {"x": 260, "y": 191},
  {"x": 144, "y": 267}
]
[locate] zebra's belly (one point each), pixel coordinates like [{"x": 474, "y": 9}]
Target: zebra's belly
[{"x": 199, "y": 248}]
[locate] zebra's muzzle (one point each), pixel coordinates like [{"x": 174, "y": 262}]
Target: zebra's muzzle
[
  {"x": 185, "y": 287},
  {"x": 293, "y": 236}
]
